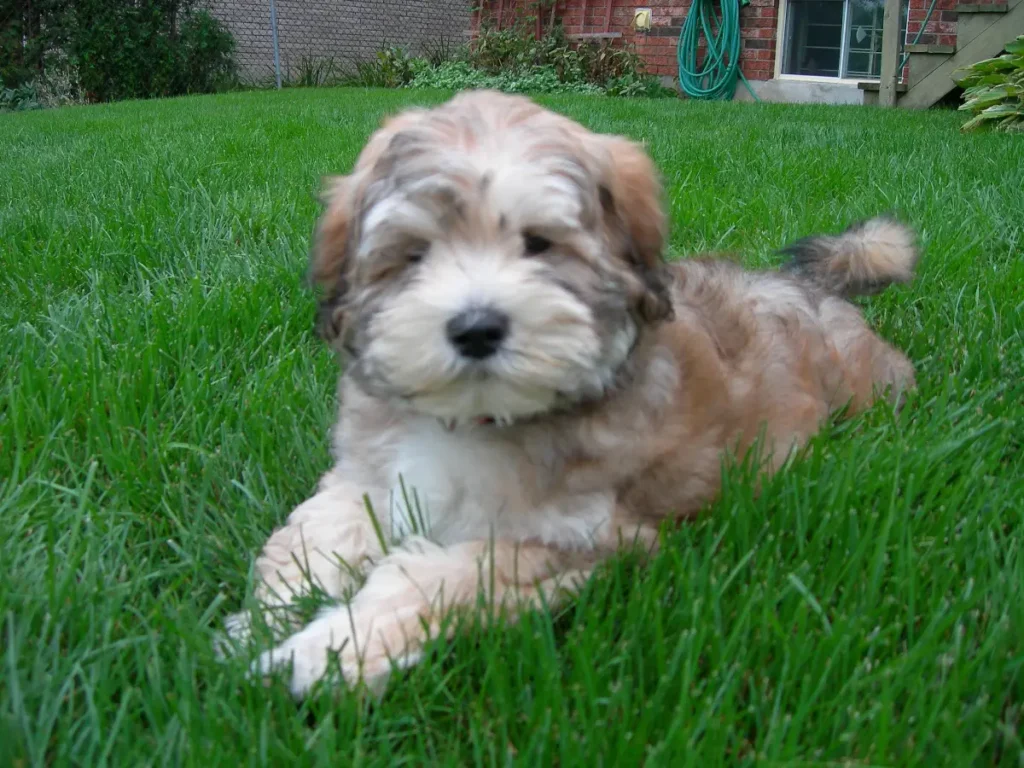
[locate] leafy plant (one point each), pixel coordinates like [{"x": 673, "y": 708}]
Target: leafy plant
[
  {"x": 60, "y": 84},
  {"x": 390, "y": 68},
  {"x": 441, "y": 51},
  {"x": 314, "y": 72},
  {"x": 19, "y": 99},
  {"x": 994, "y": 90},
  {"x": 637, "y": 85}
]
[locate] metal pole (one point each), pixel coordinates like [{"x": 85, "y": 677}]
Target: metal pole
[
  {"x": 277, "y": 52},
  {"x": 890, "y": 54}
]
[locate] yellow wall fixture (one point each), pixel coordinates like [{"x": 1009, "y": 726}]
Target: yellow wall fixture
[{"x": 642, "y": 20}]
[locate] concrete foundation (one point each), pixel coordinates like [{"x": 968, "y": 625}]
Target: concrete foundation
[{"x": 802, "y": 92}]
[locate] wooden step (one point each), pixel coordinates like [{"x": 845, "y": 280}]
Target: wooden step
[
  {"x": 923, "y": 64},
  {"x": 945, "y": 50},
  {"x": 983, "y": 8}
]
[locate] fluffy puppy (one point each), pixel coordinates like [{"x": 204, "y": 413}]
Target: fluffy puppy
[{"x": 528, "y": 384}]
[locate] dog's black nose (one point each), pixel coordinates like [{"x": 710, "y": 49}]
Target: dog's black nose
[{"x": 477, "y": 333}]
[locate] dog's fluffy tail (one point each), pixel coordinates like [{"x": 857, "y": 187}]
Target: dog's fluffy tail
[{"x": 863, "y": 260}]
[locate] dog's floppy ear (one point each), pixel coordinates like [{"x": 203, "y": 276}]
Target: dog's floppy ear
[
  {"x": 330, "y": 266},
  {"x": 329, "y": 260},
  {"x": 631, "y": 197}
]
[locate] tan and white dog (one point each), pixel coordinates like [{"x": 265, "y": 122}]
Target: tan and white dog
[{"x": 523, "y": 362}]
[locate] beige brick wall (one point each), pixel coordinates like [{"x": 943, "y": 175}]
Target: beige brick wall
[{"x": 345, "y": 30}]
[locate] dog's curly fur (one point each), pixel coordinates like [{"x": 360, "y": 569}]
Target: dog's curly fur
[{"x": 618, "y": 385}]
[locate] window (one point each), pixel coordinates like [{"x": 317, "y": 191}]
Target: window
[{"x": 834, "y": 38}]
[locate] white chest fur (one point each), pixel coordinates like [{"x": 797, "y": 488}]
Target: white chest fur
[{"x": 472, "y": 483}]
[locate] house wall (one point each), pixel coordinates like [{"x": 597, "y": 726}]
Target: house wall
[
  {"x": 345, "y": 30},
  {"x": 759, "y": 30},
  {"x": 658, "y": 47},
  {"x": 355, "y": 29}
]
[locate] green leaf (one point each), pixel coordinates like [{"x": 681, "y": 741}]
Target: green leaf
[
  {"x": 974, "y": 123},
  {"x": 997, "y": 79},
  {"x": 1002, "y": 110},
  {"x": 998, "y": 64}
]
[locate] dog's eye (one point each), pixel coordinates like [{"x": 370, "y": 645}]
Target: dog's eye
[
  {"x": 415, "y": 253},
  {"x": 535, "y": 244}
]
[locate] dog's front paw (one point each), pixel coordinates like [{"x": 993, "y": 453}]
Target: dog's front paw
[
  {"x": 364, "y": 651},
  {"x": 237, "y": 633},
  {"x": 307, "y": 655}
]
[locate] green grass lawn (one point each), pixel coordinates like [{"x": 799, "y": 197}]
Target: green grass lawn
[{"x": 164, "y": 403}]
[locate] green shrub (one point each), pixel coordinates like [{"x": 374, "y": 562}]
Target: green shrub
[
  {"x": 513, "y": 60},
  {"x": 994, "y": 90},
  {"x": 207, "y": 49},
  {"x": 582, "y": 66},
  {"x": 509, "y": 59},
  {"x": 634, "y": 85},
  {"x": 461, "y": 75},
  {"x": 114, "y": 49},
  {"x": 148, "y": 48}
]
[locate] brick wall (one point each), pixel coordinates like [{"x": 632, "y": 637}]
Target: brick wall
[
  {"x": 941, "y": 26},
  {"x": 758, "y": 24},
  {"x": 343, "y": 29}
]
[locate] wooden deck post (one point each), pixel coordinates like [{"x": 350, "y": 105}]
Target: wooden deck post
[{"x": 890, "y": 53}]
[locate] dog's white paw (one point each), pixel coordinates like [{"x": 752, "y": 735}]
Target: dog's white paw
[
  {"x": 238, "y": 627},
  {"x": 328, "y": 641},
  {"x": 307, "y": 655},
  {"x": 236, "y": 635}
]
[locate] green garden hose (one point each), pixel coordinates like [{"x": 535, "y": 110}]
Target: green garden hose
[{"x": 715, "y": 77}]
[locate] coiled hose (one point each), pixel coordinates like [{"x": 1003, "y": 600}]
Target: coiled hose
[{"x": 715, "y": 77}]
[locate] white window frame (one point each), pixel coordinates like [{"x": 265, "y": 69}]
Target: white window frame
[{"x": 844, "y": 50}]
